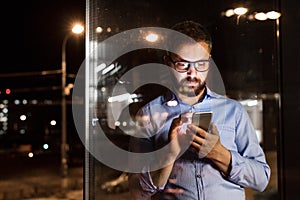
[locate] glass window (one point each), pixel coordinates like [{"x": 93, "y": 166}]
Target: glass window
[{"x": 120, "y": 42}]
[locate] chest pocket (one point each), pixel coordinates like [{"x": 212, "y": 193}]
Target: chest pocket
[{"x": 227, "y": 136}]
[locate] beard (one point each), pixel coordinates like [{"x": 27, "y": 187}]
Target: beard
[{"x": 193, "y": 90}]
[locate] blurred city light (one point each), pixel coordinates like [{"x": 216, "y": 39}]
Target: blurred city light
[
  {"x": 103, "y": 89},
  {"x": 68, "y": 88},
  {"x": 273, "y": 15},
  {"x": 172, "y": 103},
  {"x": 34, "y": 101},
  {"x": 100, "y": 67},
  {"x": 240, "y": 11},
  {"x": 152, "y": 37},
  {"x": 23, "y": 117},
  {"x": 7, "y": 91},
  {"x": 22, "y": 131},
  {"x": 3, "y": 119},
  {"x": 261, "y": 16},
  {"x": 109, "y": 68},
  {"x": 99, "y": 29},
  {"x": 30, "y": 154},
  {"x": 117, "y": 123},
  {"x": 249, "y": 102},
  {"x": 252, "y": 103},
  {"x": 229, "y": 13},
  {"x": 17, "y": 101},
  {"x": 45, "y": 146},
  {"x": 52, "y": 122}
]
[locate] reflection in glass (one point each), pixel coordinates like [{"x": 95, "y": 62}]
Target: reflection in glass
[{"x": 247, "y": 61}]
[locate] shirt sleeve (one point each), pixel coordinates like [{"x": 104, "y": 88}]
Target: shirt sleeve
[
  {"x": 140, "y": 184},
  {"x": 248, "y": 164}
]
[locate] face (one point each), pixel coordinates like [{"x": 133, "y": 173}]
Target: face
[{"x": 191, "y": 82}]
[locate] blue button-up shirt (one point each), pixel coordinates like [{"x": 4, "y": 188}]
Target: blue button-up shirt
[{"x": 198, "y": 177}]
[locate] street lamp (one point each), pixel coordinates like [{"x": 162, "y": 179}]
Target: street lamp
[
  {"x": 77, "y": 29},
  {"x": 261, "y": 16}
]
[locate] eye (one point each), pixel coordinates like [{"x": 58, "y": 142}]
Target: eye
[
  {"x": 181, "y": 64},
  {"x": 201, "y": 63}
]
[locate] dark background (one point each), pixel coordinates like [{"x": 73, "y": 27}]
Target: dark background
[
  {"x": 32, "y": 34},
  {"x": 290, "y": 138},
  {"x": 33, "y": 31}
]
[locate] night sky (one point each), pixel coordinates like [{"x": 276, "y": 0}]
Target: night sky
[
  {"x": 33, "y": 31},
  {"x": 32, "y": 34}
]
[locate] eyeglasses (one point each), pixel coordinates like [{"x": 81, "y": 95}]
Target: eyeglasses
[{"x": 183, "y": 66}]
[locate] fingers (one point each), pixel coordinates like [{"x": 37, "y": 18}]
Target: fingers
[
  {"x": 176, "y": 122},
  {"x": 175, "y": 126},
  {"x": 183, "y": 118},
  {"x": 198, "y": 135},
  {"x": 174, "y": 191},
  {"x": 203, "y": 142},
  {"x": 179, "y": 124},
  {"x": 170, "y": 193},
  {"x": 196, "y": 145},
  {"x": 192, "y": 129}
]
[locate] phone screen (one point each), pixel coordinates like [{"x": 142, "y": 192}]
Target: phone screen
[{"x": 202, "y": 119}]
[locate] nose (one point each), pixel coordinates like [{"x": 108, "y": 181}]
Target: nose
[{"x": 192, "y": 70}]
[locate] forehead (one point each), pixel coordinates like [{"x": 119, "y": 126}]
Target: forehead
[{"x": 193, "y": 51}]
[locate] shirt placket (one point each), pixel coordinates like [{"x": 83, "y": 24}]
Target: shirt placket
[{"x": 199, "y": 179}]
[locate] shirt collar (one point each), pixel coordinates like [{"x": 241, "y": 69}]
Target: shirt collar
[{"x": 170, "y": 96}]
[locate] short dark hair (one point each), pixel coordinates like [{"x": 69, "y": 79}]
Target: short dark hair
[{"x": 194, "y": 30}]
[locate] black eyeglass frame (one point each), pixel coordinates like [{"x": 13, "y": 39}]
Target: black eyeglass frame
[{"x": 189, "y": 64}]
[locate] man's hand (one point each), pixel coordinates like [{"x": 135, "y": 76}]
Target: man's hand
[
  {"x": 207, "y": 144},
  {"x": 179, "y": 140}
]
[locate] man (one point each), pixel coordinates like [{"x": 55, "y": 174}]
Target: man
[{"x": 199, "y": 164}]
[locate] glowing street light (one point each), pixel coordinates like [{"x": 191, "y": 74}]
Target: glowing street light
[
  {"x": 240, "y": 11},
  {"x": 273, "y": 15},
  {"x": 237, "y": 11},
  {"x": 229, "y": 13},
  {"x": 77, "y": 29},
  {"x": 261, "y": 16}
]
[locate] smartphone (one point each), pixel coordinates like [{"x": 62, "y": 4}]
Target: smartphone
[{"x": 202, "y": 119}]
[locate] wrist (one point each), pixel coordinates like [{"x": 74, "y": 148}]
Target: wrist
[{"x": 222, "y": 158}]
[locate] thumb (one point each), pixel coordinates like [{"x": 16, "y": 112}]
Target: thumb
[{"x": 176, "y": 123}]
